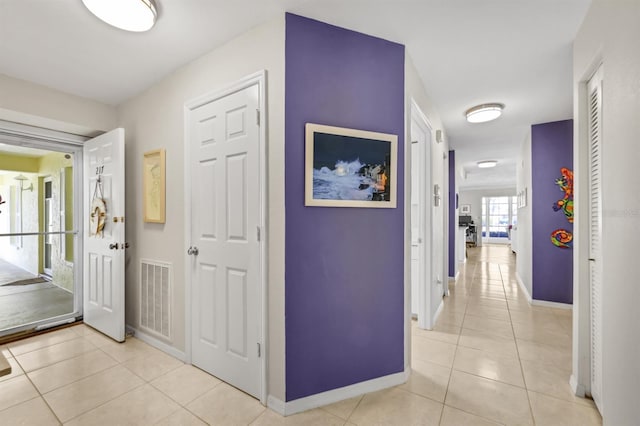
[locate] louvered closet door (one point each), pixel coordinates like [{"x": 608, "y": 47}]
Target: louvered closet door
[{"x": 595, "y": 232}]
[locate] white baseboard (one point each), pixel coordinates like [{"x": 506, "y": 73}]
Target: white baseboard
[
  {"x": 336, "y": 395},
  {"x": 548, "y": 304},
  {"x": 276, "y": 405},
  {"x": 158, "y": 344},
  {"x": 537, "y": 302},
  {"x": 437, "y": 314},
  {"x": 523, "y": 287},
  {"x": 578, "y": 389}
]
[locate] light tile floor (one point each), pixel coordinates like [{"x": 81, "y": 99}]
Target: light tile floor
[{"x": 491, "y": 359}]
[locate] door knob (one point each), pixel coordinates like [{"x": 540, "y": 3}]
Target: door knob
[
  {"x": 193, "y": 251},
  {"x": 113, "y": 246}
]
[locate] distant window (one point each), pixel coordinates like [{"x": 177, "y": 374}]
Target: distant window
[{"x": 498, "y": 214}]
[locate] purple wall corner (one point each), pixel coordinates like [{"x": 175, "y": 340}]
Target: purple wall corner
[
  {"x": 344, "y": 267},
  {"x": 551, "y": 150}
]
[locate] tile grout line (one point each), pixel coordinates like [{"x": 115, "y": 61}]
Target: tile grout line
[
  {"x": 118, "y": 363},
  {"x": 446, "y": 393},
  {"x": 26, "y": 374},
  {"x": 524, "y": 380},
  {"x": 354, "y": 409},
  {"x": 456, "y": 408},
  {"x": 96, "y": 348}
]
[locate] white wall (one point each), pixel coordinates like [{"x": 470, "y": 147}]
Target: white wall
[
  {"x": 29, "y": 103},
  {"x": 155, "y": 120},
  {"x": 32, "y": 104},
  {"x": 414, "y": 89},
  {"x": 524, "y": 260},
  {"x": 24, "y": 255},
  {"x": 610, "y": 34}
]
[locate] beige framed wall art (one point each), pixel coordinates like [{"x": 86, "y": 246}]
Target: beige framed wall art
[
  {"x": 153, "y": 186},
  {"x": 349, "y": 168}
]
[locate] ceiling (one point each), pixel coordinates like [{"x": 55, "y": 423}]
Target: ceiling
[
  {"x": 467, "y": 52},
  {"x": 22, "y": 151}
]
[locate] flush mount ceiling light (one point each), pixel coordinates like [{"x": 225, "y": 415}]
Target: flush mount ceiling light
[
  {"x": 129, "y": 15},
  {"x": 487, "y": 164},
  {"x": 483, "y": 113}
]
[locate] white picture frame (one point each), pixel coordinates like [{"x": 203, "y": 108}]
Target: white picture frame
[{"x": 350, "y": 168}]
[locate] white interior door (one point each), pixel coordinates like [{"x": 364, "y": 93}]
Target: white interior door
[
  {"x": 104, "y": 252},
  {"x": 421, "y": 218},
  {"x": 595, "y": 233},
  {"x": 226, "y": 304}
]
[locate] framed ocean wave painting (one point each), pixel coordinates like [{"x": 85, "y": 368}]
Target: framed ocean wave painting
[{"x": 349, "y": 168}]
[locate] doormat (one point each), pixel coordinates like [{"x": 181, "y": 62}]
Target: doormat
[{"x": 36, "y": 280}]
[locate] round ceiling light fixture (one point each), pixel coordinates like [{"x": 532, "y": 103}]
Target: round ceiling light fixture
[
  {"x": 483, "y": 113},
  {"x": 487, "y": 164},
  {"x": 128, "y": 15}
]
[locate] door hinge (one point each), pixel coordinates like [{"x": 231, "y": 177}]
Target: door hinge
[
  {"x": 258, "y": 232},
  {"x": 258, "y": 117},
  {"x": 259, "y": 351}
]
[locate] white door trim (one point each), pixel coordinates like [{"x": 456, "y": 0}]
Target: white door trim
[
  {"x": 48, "y": 271},
  {"x": 417, "y": 159},
  {"x": 259, "y": 78},
  {"x": 424, "y": 301},
  {"x": 580, "y": 380},
  {"x": 30, "y": 136}
]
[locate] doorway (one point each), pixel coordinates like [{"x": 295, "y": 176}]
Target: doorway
[
  {"x": 39, "y": 282},
  {"x": 427, "y": 222},
  {"x": 226, "y": 205}
]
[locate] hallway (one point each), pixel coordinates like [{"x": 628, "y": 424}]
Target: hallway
[
  {"x": 491, "y": 359},
  {"x": 493, "y": 355}
]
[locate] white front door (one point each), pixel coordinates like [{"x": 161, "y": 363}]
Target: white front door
[
  {"x": 224, "y": 145},
  {"x": 103, "y": 287}
]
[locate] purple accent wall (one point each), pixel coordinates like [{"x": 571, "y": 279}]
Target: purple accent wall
[
  {"x": 452, "y": 213},
  {"x": 344, "y": 272},
  {"x": 551, "y": 149}
]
